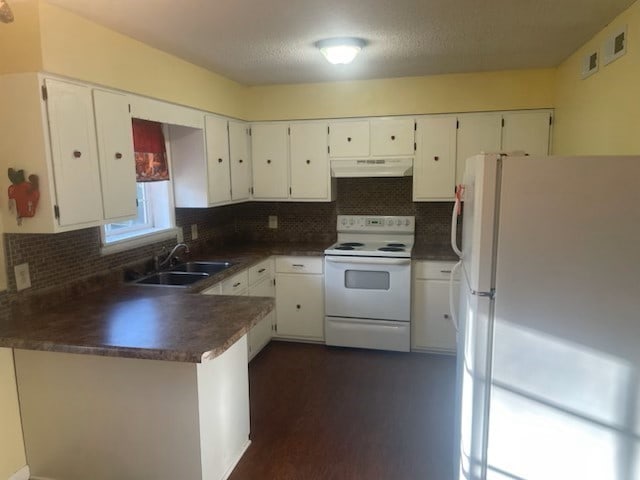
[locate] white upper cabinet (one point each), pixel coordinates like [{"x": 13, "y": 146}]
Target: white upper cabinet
[
  {"x": 434, "y": 168},
  {"x": 218, "y": 170},
  {"x": 392, "y": 136},
  {"x": 349, "y": 138},
  {"x": 527, "y": 132},
  {"x": 74, "y": 152},
  {"x": 269, "y": 152},
  {"x": 239, "y": 156},
  {"x": 115, "y": 152},
  {"x": 477, "y": 133},
  {"x": 310, "y": 177}
]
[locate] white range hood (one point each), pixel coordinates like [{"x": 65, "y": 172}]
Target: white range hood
[{"x": 383, "y": 167}]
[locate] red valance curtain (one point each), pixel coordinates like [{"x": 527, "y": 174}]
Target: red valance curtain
[{"x": 150, "y": 151}]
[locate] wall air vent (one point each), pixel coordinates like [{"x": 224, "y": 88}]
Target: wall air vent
[
  {"x": 590, "y": 64},
  {"x": 615, "y": 46}
]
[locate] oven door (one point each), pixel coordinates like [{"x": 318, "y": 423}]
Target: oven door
[{"x": 368, "y": 287}]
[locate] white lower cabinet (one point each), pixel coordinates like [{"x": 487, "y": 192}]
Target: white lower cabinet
[
  {"x": 431, "y": 324},
  {"x": 261, "y": 285},
  {"x": 300, "y": 298}
]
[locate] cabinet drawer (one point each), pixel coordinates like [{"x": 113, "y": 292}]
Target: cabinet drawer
[
  {"x": 299, "y": 264},
  {"x": 236, "y": 285},
  {"x": 261, "y": 270},
  {"x": 434, "y": 270}
]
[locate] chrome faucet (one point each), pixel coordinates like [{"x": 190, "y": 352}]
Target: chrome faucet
[{"x": 172, "y": 254}]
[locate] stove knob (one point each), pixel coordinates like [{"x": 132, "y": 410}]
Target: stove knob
[
  {"x": 344, "y": 221},
  {"x": 398, "y": 222},
  {"x": 390, "y": 222},
  {"x": 407, "y": 222},
  {"x": 351, "y": 221}
]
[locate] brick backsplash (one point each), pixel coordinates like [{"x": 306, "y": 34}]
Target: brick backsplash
[{"x": 73, "y": 257}]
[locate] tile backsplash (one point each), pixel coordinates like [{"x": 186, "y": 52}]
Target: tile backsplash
[{"x": 64, "y": 258}]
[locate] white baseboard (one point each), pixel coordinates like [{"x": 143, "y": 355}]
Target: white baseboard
[
  {"x": 22, "y": 474},
  {"x": 227, "y": 474}
]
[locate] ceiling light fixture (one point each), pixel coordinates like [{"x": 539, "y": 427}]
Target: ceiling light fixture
[
  {"x": 340, "y": 50},
  {"x": 6, "y": 16}
]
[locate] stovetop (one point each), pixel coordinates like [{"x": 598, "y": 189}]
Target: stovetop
[{"x": 374, "y": 236}]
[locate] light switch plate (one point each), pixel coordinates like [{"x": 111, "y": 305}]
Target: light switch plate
[
  {"x": 23, "y": 280},
  {"x": 194, "y": 231},
  {"x": 273, "y": 221}
]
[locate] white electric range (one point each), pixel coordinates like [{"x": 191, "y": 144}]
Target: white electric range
[{"x": 368, "y": 283}]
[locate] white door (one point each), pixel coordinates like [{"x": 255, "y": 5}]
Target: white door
[
  {"x": 115, "y": 152},
  {"x": 349, "y": 138},
  {"x": 218, "y": 170},
  {"x": 74, "y": 151},
  {"x": 239, "y": 156},
  {"x": 269, "y": 153},
  {"x": 432, "y": 325},
  {"x": 434, "y": 168},
  {"x": 477, "y": 133},
  {"x": 309, "y": 161},
  {"x": 300, "y": 305},
  {"x": 392, "y": 136},
  {"x": 527, "y": 132}
]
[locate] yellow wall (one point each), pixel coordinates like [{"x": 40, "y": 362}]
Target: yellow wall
[
  {"x": 79, "y": 48},
  {"x": 601, "y": 114},
  {"x": 468, "y": 92},
  {"x": 12, "y": 456},
  {"x": 20, "y": 40}
]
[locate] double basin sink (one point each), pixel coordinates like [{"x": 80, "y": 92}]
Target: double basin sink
[{"x": 184, "y": 274}]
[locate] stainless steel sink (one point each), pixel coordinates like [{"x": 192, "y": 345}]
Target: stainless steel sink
[
  {"x": 203, "y": 267},
  {"x": 172, "y": 279}
]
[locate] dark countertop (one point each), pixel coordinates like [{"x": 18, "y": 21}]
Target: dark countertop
[
  {"x": 433, "y": 252},
  {"x": 159, "y": 323},
  {"x": 155, "y": 323}
]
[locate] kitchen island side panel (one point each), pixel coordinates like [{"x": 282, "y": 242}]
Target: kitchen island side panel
[{"x": 102, "y": 418}]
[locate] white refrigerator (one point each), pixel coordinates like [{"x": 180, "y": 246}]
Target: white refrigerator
[{"x": 549, "y": 319}]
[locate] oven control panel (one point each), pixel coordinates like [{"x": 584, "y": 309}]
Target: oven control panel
[{"x": 372, "y": 224}]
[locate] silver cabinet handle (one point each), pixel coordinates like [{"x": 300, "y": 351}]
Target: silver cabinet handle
[{"x": 376, "y": 261}]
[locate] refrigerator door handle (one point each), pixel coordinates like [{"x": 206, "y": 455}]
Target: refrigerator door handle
[
  {"x": 454, "y": 221},
  {"x": 452, "y": 307}
]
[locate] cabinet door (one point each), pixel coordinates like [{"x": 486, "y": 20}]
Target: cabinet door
[
  {"x": 392, "y": 136},
  {"x": 218, "y": 171},
  {"x": 434, "y": 169},
  {"x": 260, "y": 335},
  {"x": 115, "y": 153},
  {"x": 432, "y": 327},
  {"x": 74, "y": 152},
  {"x": 527, "y": 131},
  {"x": 240, "y": 161},
  {"x": 309, "y": 161},
  {"x": 269, "y": 153},
  {"x": 300, "y": 306},
  {"x": 349, "y": 139},
  {"x": 477, "y": 133}
]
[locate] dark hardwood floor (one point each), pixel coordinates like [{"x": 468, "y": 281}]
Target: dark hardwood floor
[{"x": 327, "y": 413}]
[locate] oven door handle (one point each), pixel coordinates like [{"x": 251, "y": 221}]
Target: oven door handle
[{"x": 369, "y": 260}]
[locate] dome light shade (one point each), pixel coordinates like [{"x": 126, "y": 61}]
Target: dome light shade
[{"x": 340, "y": 50}]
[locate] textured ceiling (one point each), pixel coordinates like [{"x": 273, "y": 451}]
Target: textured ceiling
[{"x": 257, "y": 42}]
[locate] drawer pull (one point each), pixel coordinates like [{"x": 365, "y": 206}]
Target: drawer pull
[
  {"x": 219, "y": 160},
  {"x": 446, "y": 316},
  {"x": 445, "y": 271},
  {"x": 268, "y": 161},
  {"x": 298, "y": 265},
  {"x": 118, "y": 155},
  {"x": 77, "y": 153},
  {"x": 298, "y": 306},
  {"x": 237, "y": 284},
  {"x": 261, "y": 270}
]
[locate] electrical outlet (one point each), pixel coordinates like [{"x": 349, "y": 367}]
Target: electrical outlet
[
  {"x": 23, "y": 280},
  {"x": 194, "y": 231},
  {"x": 273, "y": 221},
  {"x": 180, "y": 235}
]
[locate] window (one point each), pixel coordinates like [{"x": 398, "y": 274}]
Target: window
[{"x": 155, "y": 217}]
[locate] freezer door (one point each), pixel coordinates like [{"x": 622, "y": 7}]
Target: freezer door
[
  {"x": 565, "y": 399},
  {"x": 478, "y": 224},
  {"x": 473, "y": 370}
]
